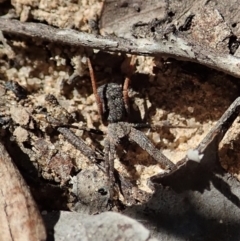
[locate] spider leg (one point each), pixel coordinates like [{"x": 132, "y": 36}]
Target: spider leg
[
  {"x": 111, "y": 163},
  {"x": 84, "y": 128},
  {"x": 127, "y": 83},
  {"x": 109, "y": 153},
  {"x": 81, "y": 145},
  {"x": 141, "y": 125},
  {"x": 161, "y": 125},
  {"x": 141, "y": 139},
  {"x": 94, "y": 86}
]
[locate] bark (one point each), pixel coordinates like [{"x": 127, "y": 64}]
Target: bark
[
  {"x": 19, "y": 217},
  {"x": 174, "y": 46}
]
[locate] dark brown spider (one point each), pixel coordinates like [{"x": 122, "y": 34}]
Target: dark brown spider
[{"x": 113, "y": 107}]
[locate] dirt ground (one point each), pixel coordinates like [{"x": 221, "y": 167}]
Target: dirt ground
[{"x": 188, "y": 97}]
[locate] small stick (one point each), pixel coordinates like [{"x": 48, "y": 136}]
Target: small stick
[
  {"x": 217, "y": 133},
  {"x": 222, "y": 126}
]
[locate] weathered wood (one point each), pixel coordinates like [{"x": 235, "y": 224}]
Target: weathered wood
[
  {"x": 174, "y": 46},
  {"x": 19, "y": 216}
]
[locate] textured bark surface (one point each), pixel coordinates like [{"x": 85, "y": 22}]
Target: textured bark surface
[
  {"x": 19, "y": 217},
  {"x": 195, "y": 48}
]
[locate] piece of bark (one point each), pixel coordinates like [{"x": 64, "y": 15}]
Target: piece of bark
[
  {"x": 230, "y": 11},
  {"x": 105, "y": 226},
  {"x": 19, "y": 218},
  {"x": 174, "y": 46}
]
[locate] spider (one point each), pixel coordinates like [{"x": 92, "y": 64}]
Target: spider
[{"x": 113, "y": 107}]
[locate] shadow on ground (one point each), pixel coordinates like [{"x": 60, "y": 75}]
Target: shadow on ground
[{"x": 198, "y": 202}]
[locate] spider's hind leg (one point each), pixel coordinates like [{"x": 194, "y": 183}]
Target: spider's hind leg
[
  {"x": 141, "y": 139},
  {"x": 109, "y": 153}
]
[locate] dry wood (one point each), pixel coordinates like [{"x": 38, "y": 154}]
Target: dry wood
[
  {"x": 19, "y": 216},
  {"x": 174, "y": 46}
]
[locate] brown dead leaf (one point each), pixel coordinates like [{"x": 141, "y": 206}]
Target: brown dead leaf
[{"x": 118, "y": 17}]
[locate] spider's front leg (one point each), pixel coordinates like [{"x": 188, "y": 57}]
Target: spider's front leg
[
  {"x": 141, "y": 139},
  {"x": 61, "y": 120}
]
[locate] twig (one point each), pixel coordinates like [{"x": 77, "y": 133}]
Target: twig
[{"x": 175, "y": 47}]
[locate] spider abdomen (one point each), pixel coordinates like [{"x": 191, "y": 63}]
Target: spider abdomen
[{"x": 112, "y": 102}]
